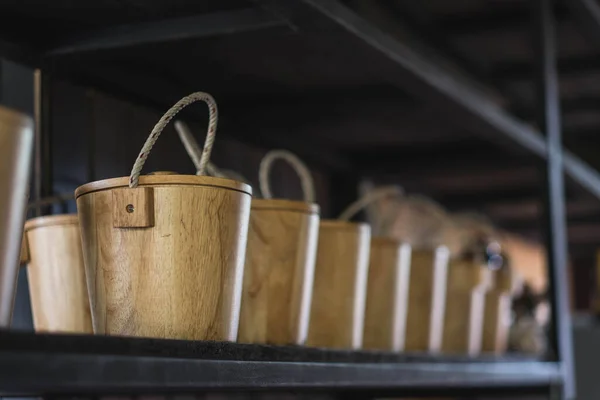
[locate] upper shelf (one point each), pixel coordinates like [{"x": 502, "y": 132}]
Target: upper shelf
[
  {"x": 350, "y": 85},
  {"x": 50, "y": 364}
]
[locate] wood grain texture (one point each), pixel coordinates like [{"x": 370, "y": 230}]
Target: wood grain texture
[
  {"x": 56, "y": 274},
  {"x": 387, "y": 295},
  {"x": 339, "y": 292},
  {"x": 279, "y": 271},
  {"x": 180, "y": 279},
  {"x": 497, "y": 314},
  {"x": 467, "y": 285},
  {"x": 133, "y": 208},
  {"x": 427, "y": 284}
]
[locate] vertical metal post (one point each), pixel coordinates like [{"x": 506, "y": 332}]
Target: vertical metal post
[
  {"x": 42, "y": 169},
  {"x": 549, "y": 122},
  {"x": 1, "y": 82}
]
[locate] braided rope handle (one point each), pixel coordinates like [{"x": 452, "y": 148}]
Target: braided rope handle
[
  {"x": 427, "y": 204},
  {"x": 164, "y": 121},
  {"x": 306, "y": 180},
  {"x": 371, "y": 197},
  {"x": 194, "y": 151}
]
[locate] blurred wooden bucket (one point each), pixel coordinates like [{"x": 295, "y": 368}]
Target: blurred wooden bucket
[
  {"x": 340, "y": 284},
  {"x": 280, "y": 261},
  {"x": 16, "y": 137},
  {"x": 387, "y": 295},
  {"x": 426, "y": 297},
  {"x": 498, "y": 308},
  {"x": 467, "y": 284},
  {"x": 57, "y": 286},
  {"x": 278, "y": 277}
]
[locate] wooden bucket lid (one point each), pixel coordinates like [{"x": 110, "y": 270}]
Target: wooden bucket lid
[
  {"x": 342, "y": 225},
  {"x": 164, "y": 180},
  {"x": 51, "y": 220},
  {"x": 285, "y": 205}
]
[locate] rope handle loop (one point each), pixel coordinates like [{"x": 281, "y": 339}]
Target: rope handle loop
[
  {"x": 306, "y": 180},
  {"x": 164, "y": 121},
  {"x": 193, "y": 150},
  {"x": 371, "y": 197}
]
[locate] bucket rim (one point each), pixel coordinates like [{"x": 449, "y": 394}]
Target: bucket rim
[
  {"x": 285, "y": 205},
  {"x": 164, "y": 180},
  {"x": 339, "y": 224},
  {"x": 51, "y": 220}
]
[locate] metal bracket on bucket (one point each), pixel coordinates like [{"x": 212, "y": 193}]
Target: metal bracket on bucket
[{"x": 133, "y": 208}]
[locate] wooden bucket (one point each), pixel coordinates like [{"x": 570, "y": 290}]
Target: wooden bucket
[
  {"x": 387, "y": 295},
  {"x": 340, "y": 284},
  {"x": 280, "y": 262},
  {"x": 498, "y": 308},
  {"x": 468, "y": 282},
  {"x": 387, "y": 281},
  {"x": 57, "y": 286},
  {"x": 16, "y": 137},
  {"x": 164, "y": 254},
  {"x": 426, "y": 300}
]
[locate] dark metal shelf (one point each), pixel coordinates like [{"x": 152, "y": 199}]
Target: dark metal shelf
[
  {"x": 59, "y": 364},
  {"x": 288, "y": 73}
]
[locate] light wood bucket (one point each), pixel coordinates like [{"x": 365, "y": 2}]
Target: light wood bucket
[
  {"x": 16, "y": 137},
  {"x": 426, "y": 300},
  {"x": 173, "y": 267},
  {"x": 164, "y": 254},
  {"x": 340, "y": 284},
  {"x": 280, "y": 260},
  {"x": 498, "y": 308},
  {"x": 387, "y": 295},
  {"x": 57, "y": 286},
  {"x": 278, "y": 277},
  {"x": 468, "y": 282}
]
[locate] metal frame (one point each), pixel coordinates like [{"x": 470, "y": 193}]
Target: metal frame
[
  {"x": 42, "y": 167},
  {"x": 51, "y": 371},
  {"x": 197, "y": 26},
  {"x": 588, "y": 14},
  {"x": 556, "y": 241},
  {"x": 425, "y": 76},
  {"x": 413, "y": 68}
]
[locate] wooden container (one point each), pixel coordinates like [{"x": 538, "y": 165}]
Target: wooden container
[
  {"x": 387, "y": 295},
  {"x": 165, "y": 259},
  {"x": 340, "y": 284},
  {"x": 467, "y": 284},
  {"x": 426, "y": 300},
  {"x": 16, "y": 149},
  {"x": 279, "y": 270},
  {"x": 497, "y": 314},
  {"x": 57, "y": 287}
]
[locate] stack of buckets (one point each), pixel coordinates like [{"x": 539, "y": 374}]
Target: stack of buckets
[{"x": 197, "y": 258}]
